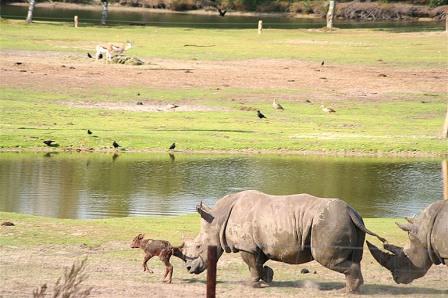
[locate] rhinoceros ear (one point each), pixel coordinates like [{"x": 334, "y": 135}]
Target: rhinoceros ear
[
  {"x": 205, "y": 212},
  {"x": 407, "y": 227},
  {"x": 410, "y": 220}
]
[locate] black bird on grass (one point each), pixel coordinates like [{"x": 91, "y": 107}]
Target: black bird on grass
[
  {"x": 173, "y": 146},
  {"x": 49, "y": 142},
  {"x": 115, "y": 144},
  {"x": 260, "y": 115},
  {"x": 88, "y": 55},
  {"x": 89, "y": 132}
]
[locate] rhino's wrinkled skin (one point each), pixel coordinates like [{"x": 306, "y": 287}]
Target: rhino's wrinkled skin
[
  {"x": 292, "y": 229},
  {"x": 428, "y": 245}
]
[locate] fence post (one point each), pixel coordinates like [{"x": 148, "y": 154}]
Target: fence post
[
  {"x": 211, "y": 271},
  {"x": 446, "y": 23},
  {"x": 445, "y": 125},
  {"x": 445, "y": 178},
  {"x": 76, "y": 20},
  {"x": 260, "y": 26}
]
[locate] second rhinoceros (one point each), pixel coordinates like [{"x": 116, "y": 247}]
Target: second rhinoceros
[
  {"x": 428, "y": 245},
  {"x": 292, "y": 229}
]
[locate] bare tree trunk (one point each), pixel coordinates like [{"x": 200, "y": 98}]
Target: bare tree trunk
[
  {"x": 105, "y": 12},
  {"x": 330, "y": 14},
  {"x": 29, "y": 17},
  {"x": 445, "y": 126}
]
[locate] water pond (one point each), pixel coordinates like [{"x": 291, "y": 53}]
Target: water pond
[
  {"x": 146, "y": 17},
  {"x": 95, "y": 185}
]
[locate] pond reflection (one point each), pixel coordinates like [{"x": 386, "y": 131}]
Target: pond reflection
[{"x": 105, "y": 185}]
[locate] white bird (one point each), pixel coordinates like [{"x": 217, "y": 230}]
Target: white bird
[
  {"x": 327, "y": 109},
  {"x": 277, "y": 106}
]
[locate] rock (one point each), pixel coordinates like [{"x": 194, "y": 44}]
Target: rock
[
  {"x": 304, "y": 271},
  {"x": 8, "y": 224}
]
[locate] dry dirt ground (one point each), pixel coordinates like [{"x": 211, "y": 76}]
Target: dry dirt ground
[
  {"x": 49, "y": 71},
  {"x": 114, "y": 270}
]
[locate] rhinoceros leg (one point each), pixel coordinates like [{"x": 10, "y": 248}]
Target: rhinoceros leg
[
  {"x": 353, "y": 275},
  {"x": 257, "y": 271}
]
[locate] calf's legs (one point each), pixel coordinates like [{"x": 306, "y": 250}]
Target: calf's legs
[{"x": 145, "y": 266}]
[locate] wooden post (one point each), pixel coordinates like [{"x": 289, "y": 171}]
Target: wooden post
[
  {"x": 211, "y": 271},
  {"x": 446, "y": 23},
  {"x": 76, "y": 20},
  {"x": 445, "y": 179},
  {"x": 445, "y": 126},
  {"x": 330, "y": 14},
  {"x": 260, "y": 26}
]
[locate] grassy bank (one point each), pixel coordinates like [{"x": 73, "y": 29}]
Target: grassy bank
[
  {"x": 386, "y": 87},
  {"x": 363, "y": 47},
  {"x": 36, "y": 250}
]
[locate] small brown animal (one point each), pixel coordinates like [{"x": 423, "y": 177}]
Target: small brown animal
[{"x": 160, "y": 248}]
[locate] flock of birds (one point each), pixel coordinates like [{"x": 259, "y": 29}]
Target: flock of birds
[
  {"x": 278, "y": 106},
  {"x": 51, "y": 143},
  {"x": 275, "y": 105}
]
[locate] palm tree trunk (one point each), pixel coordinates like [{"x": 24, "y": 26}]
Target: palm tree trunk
[
  {"x": 29, "y": 17},
  {"x": 105, "y": 12}
]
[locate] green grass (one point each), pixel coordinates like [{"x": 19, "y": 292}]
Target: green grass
[
  {"x": 403, "y": 125},
  {"x": 398, "y": 123},
  {"x": 343, "y": 46},
  {"x": 37, "y": 230}
]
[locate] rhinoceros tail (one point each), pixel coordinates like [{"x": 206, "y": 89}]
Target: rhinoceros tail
[{"x": 359, "y": 223}]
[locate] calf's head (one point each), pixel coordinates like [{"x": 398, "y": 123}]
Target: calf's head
[
  {"x": 195, "y": 251},
  {"x": 137, "y": 242},
  {"x": 408, "y": 263}
]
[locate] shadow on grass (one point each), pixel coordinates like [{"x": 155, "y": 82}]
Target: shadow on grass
[
  {"x": 375, "y": 289},
  {"x": 367, "y": 289}
]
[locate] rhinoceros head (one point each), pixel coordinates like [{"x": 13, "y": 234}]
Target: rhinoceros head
[
  {"x": 405, "y": 264},
  {"x": 195, "y": 252}
]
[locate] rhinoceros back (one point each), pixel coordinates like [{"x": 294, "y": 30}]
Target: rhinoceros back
[{"x": 285, "y": 227}]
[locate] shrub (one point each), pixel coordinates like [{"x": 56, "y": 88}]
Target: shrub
[{"x": 435, "y": 3}]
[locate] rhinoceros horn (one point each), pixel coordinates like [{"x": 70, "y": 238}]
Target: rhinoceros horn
[
  {"x": 384, "y": 258},
  {"x": 205, "y": 212}
]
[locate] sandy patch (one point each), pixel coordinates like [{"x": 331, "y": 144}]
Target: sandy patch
[
  {"x": 144, "y": 107},
  {"x": 51, "y": 71}
]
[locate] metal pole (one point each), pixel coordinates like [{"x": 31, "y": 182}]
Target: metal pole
[
  {"x": 211, "y": 271},
  {"x": 445, "y": 178}
]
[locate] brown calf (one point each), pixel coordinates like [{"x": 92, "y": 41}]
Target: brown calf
[{"x": 160, "y": 248}]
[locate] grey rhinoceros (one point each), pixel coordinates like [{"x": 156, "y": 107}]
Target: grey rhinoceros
[
  {"x": 428, "y": 235},
  {"x": 292, "y": 229}
]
